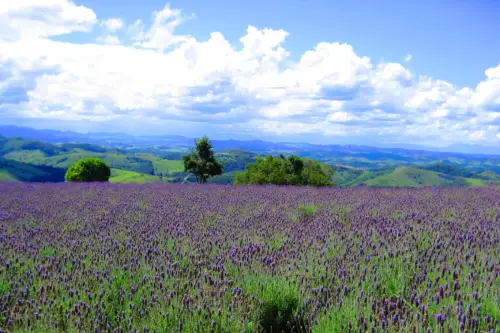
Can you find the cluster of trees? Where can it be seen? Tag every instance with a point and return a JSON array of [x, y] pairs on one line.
[[282, 170], [201, 162]]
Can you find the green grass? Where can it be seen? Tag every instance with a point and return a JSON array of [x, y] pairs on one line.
[[5, 176], [308, 209], [280, 300], [410, 176], [474, 182], [163, 166], [125, 176], [407, 177], [168, 166], [25, 155]]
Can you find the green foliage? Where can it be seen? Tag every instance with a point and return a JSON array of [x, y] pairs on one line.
[[227, 178], [201, 161], [286, 171], [280, 301], [308, 210], [88, 170]]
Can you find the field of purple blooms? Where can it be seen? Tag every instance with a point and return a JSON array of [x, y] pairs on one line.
[[189, 258]]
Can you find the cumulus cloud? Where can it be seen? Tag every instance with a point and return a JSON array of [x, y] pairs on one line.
[[108, 40], [22, 19], [253, 87], [408, 58], [161, 33], [113, 24]]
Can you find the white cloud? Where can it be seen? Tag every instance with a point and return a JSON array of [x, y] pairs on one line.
[[161, 33], [488, 91], [341, 116], [108, 40], [21, 19], [165, 78], [113, 24], [408, 58]]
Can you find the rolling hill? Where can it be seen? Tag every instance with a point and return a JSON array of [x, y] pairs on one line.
[[31, 160], [413, 176], [11, 170], [125, 176], [173, 146]]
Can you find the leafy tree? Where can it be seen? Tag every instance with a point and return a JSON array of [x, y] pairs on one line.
[[201, 161], [89, 169], [286, 171], [317, 174]]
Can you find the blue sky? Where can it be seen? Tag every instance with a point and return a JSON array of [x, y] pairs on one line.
[[369, 72], [453, 40]]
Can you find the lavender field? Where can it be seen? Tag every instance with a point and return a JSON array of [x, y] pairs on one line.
[[177, 258]]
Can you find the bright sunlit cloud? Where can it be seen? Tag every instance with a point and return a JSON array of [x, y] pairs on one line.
[[161, 77]]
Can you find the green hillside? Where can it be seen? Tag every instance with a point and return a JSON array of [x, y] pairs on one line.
[[235, 159], [475, 182], [115, 160], [227, 178], [5, 176], [409, 177], [125, 176], [412, 177], [30, 160], [11, 170], [18, 144], [345, 175], [165, 167], [489, 176]]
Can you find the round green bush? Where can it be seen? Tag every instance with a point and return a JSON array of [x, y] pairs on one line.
[[88, 170]]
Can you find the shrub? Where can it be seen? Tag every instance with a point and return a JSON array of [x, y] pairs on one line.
[[88, 170]]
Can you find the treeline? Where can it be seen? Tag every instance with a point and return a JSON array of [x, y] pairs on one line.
[[282, 170], [292, 170], [202, 163]]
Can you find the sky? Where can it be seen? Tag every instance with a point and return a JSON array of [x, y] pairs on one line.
[[336, 72]]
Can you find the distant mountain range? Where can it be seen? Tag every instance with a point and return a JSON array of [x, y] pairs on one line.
[[165, 142], [43, 155]]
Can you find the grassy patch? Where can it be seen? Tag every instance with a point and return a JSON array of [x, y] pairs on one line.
[[309, 209], [48, 251], [279, 298], [125, 176]]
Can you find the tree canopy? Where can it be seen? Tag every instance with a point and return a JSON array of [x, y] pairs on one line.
[[282, 170], [201, 161], [89, 169]]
